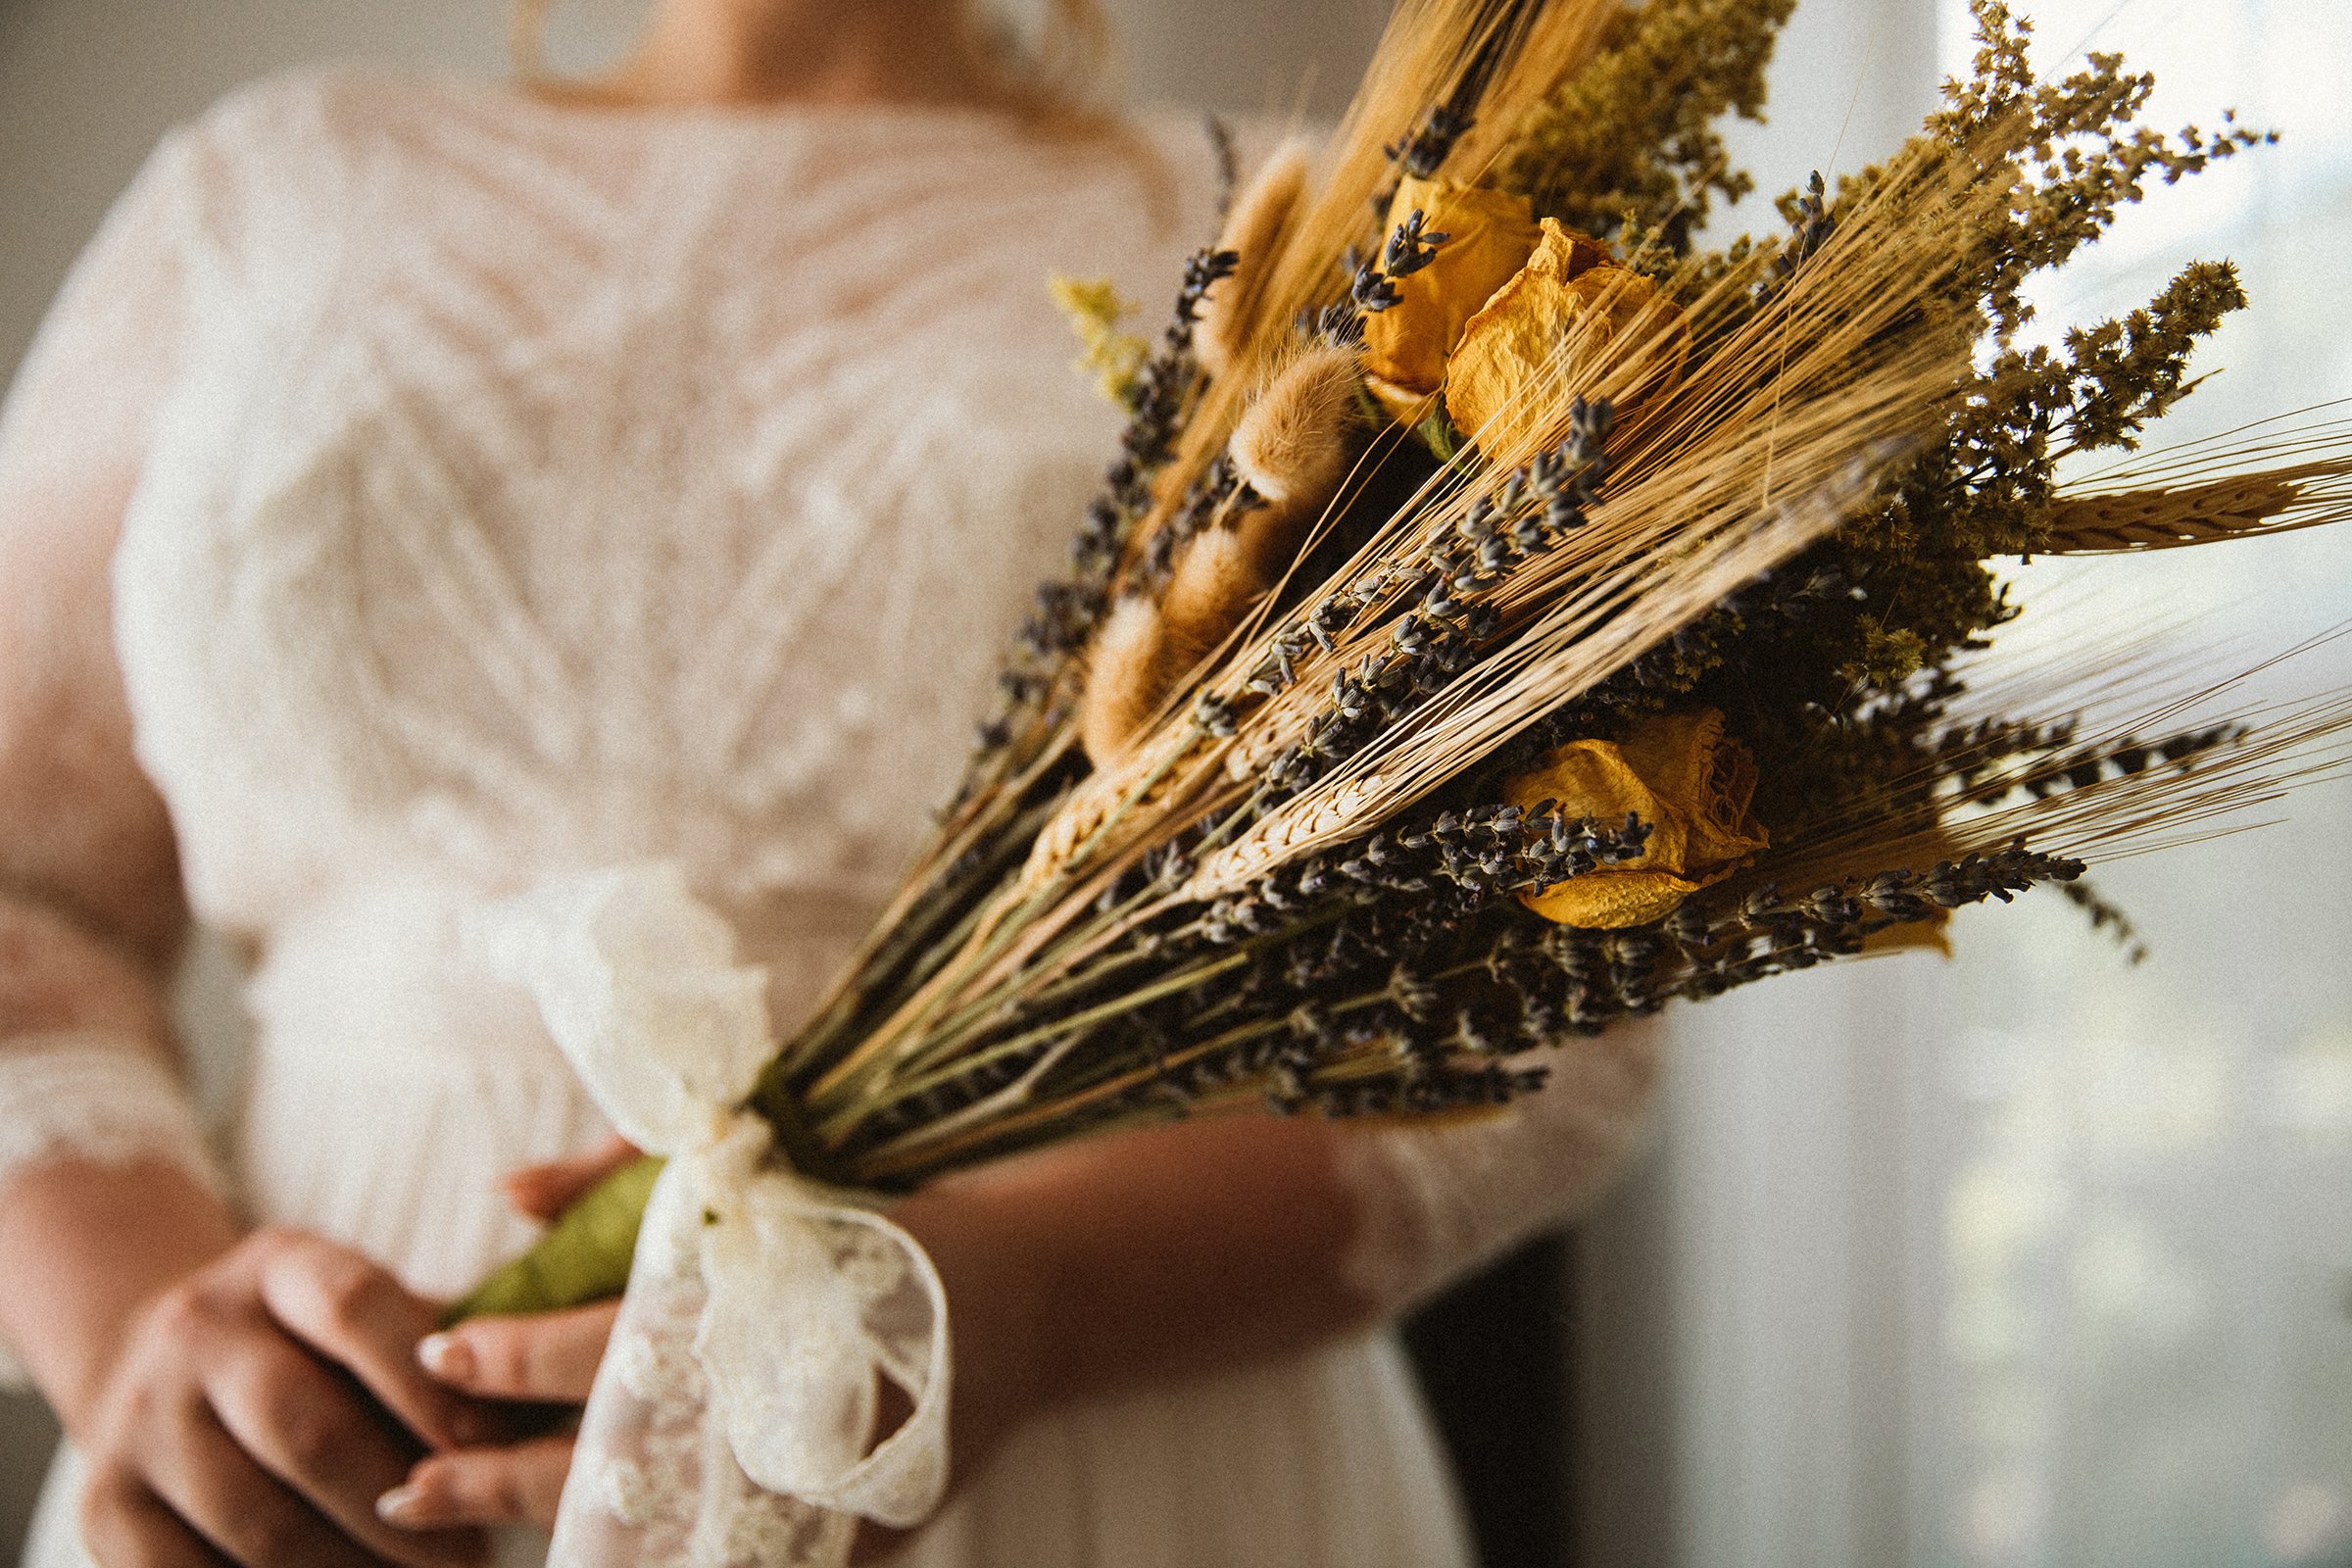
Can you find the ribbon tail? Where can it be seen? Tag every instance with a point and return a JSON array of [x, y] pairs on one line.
[[655, 1483], [863, 1303], [729, 1423]]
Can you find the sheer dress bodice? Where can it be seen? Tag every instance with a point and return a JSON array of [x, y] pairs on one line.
[[547, 486]]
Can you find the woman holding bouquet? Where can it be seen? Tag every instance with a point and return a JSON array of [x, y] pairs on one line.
[[425, 487]]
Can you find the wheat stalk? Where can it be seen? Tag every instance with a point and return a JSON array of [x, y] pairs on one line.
[[2304, 495]]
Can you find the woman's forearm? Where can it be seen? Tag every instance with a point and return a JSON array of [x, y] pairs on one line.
[[58, 973], [89, 1232]]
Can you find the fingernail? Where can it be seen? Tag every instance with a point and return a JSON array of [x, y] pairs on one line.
[[402, 1505], [446, 1357]]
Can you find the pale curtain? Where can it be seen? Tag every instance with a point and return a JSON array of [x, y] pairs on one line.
[[2035, 1258]]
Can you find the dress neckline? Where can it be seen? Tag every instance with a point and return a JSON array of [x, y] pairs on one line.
[[948, 119]]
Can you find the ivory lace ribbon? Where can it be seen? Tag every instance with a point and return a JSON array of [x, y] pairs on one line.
[[730, 1422]]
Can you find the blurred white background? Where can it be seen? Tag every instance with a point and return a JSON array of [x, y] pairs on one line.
[[2031, 1258]]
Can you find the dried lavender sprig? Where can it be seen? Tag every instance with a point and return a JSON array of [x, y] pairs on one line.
[[1391, 1046], [1607, 974], [1228, 162], [1068, 609], [1810, 227], [2120, 757], [1482, 853], [1412, 246], [1485, 851], [1372, 280], [1423, 151], [2105, 916], [1694, 953], [1220, 490]]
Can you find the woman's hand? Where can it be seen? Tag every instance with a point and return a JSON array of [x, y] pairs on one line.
[[539, 1358], [536, 1359], [259, 1406]]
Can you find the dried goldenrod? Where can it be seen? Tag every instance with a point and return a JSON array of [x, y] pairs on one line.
[[1634, 136], [1113, 357]]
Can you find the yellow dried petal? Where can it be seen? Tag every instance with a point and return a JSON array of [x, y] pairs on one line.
[[1489, 235], [1551, 335], [1678, 772], [1708, 778], [1406, 406], [1597, 779], [1930, 935], [1609, 901]]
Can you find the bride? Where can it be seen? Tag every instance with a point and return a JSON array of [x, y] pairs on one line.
[[426, 486]]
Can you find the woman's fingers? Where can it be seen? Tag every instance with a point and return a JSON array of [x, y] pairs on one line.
[[545, 1356], [483, 1487], [237, 1423], [312, 1431], [247, 1514], [357, 1315], [123, 1525], [544, 1191]]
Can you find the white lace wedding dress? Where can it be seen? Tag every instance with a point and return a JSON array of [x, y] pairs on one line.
[[527, 489]]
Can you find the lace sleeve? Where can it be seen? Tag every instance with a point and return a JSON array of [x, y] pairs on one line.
[[90, 906], [103, 1097], [1438, 1201]]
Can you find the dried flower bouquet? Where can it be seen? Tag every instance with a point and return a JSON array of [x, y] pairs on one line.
[[1505, 615]]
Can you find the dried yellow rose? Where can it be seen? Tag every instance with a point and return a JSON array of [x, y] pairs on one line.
[[1680, 774], [1544, 334], [1488, 236]]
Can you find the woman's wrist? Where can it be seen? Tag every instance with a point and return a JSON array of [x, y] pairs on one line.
[[91, 1243]]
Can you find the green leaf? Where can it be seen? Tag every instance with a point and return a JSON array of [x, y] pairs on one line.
[[1438, 434], [583, 1258]]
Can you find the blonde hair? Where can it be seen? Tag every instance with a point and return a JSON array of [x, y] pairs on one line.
[[1061, 71]]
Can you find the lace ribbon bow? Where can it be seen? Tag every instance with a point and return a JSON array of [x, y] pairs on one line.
[[730, 1420]]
